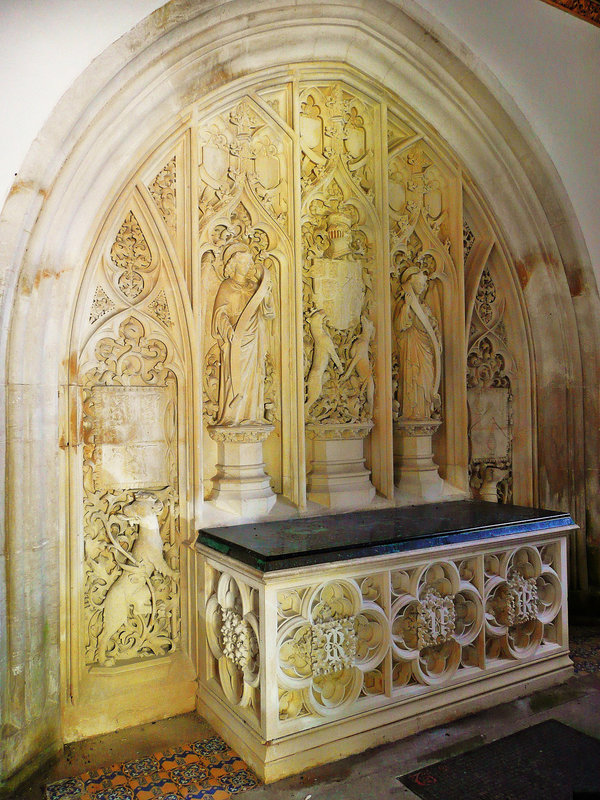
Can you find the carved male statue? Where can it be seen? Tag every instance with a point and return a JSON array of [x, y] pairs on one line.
[[419, 348], [242, 306]]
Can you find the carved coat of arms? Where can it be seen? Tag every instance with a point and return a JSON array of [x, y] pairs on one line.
[[339, 290]]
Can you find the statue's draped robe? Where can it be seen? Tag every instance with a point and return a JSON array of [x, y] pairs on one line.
[[416, 357], [244, 310]]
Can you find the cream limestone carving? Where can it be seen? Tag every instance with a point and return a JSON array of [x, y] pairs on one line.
[[418, 346], [323, 352], [159, 308], [436, 619], [101, 305], [337, 278], [238, 641], [164, 193], [490, 396], [336, 130], [523, 598], [133, 588], [437, 616], [417, 192], [333, 646], [232, 629], [245, 248], [131, 261], [382, 640], [360, 362], [130, 429], [242, 305], [326, 650]]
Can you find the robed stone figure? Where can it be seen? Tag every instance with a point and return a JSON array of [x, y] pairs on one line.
[[419, 349], [243, 304]]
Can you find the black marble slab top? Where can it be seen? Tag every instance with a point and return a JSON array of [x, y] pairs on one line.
[[291, 543]]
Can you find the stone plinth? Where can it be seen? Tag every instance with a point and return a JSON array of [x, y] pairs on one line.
[[415, 472], [338, 478], [241, 485], [323, 637], [489, 487]]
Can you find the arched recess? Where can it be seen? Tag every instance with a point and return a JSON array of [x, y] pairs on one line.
[[500, 368], [130, 412], [99, 134]]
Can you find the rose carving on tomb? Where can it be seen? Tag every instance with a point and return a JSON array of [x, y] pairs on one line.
[[437, 615], [523, 596], [233, 637], [330, 641]]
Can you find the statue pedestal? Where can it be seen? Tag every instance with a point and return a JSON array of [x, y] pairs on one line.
[[338, 478], [489, 487], [241, 485], [416, 473]]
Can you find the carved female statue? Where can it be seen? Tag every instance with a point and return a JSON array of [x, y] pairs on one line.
[[419, 348], [242, 306]]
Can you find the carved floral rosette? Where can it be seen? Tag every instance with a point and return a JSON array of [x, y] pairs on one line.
[[232, 631], [437, 615], [523, 597], [331, 641]]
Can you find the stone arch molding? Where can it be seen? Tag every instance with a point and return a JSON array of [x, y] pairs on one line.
[[133, 102]]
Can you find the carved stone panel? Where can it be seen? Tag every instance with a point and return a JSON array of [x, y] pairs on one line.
[[339, 249], [245, 249], [489, 396], [164, 193], [131, 443]]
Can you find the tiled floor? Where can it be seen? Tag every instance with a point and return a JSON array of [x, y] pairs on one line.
[[373, 774]]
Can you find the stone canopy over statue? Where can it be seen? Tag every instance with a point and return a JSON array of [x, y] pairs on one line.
[[242, 306]]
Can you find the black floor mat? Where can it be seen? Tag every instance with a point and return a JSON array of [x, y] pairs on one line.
[[550, 761]]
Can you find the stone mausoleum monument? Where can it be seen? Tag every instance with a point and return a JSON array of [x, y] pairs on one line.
[[300, 430]]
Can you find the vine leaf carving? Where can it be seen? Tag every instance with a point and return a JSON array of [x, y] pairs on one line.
[[130, 519]]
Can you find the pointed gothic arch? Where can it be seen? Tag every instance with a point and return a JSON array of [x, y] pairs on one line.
[[135, 104]]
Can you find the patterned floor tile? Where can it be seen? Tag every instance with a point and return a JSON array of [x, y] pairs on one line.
[[203, 770], [585, 649]]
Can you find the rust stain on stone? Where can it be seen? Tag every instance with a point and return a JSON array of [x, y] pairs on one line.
[[576, 280], [27, 286], [528, 264], [73, 365], [25, 186], [522, 273]]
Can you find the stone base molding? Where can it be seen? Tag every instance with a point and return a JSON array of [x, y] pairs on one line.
[[307, 665], [338, 478], [416, 474], [241, 485]]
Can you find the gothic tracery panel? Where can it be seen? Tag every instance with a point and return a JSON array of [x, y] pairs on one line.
[[490, 396], [131, 377], [245, 261]]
